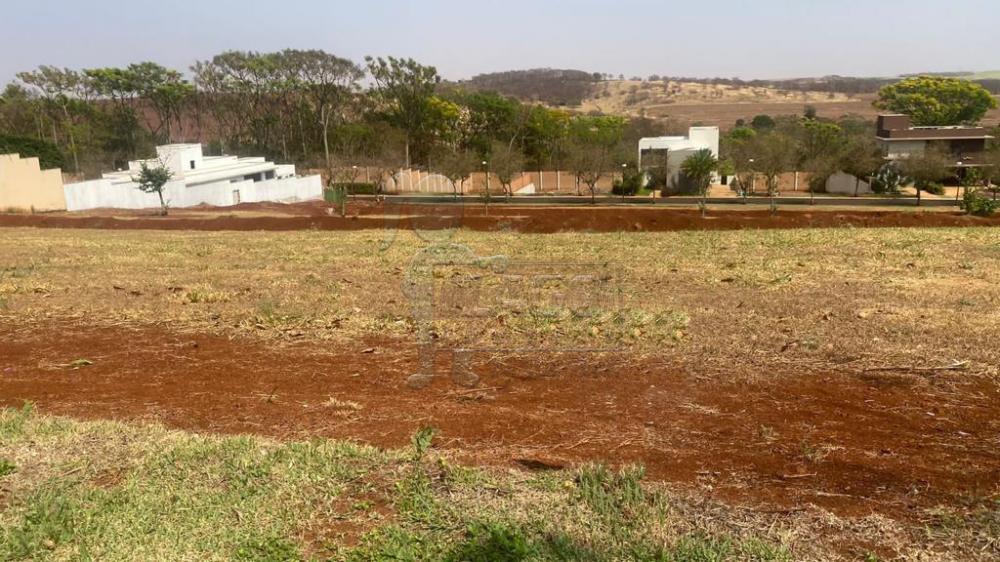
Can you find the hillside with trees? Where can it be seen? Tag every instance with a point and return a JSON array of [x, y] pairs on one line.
[[550, 86]]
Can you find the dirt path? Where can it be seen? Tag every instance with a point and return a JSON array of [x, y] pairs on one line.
[[534, 219], [853, 443]]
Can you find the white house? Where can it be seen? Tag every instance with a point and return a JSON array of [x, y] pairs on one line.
[[197, 180], [677, 149]]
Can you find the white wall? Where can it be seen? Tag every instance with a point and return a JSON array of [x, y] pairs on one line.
[[845, 183], [103, 193]]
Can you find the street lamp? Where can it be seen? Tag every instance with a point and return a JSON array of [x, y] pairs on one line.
[[624, 168], [958, 175], [486, 166]]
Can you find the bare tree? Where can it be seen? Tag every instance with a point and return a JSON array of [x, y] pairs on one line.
[[926, 168], [506, 163]]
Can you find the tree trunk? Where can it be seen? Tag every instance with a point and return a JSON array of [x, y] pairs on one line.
[[163, 204], [326, 138]]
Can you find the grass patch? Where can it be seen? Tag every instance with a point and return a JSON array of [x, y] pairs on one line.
[[183, 496]]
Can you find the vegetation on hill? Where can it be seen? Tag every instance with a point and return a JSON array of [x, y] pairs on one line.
[[546, 85]]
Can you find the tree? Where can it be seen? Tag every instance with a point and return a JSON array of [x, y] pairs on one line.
[[762, 123], [926, 168], [737, 148], [164, 90], [403, 90], [937, 100], [594, 139], [699, 168], [773, 154], [457, 165], [861, 158], [991, 169], [152, 179], [329, 83], [62, 91], [506, 163]]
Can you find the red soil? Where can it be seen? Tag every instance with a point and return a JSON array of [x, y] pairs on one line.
[[538, 219], [855, 443]]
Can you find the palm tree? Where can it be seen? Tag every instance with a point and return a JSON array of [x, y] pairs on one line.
[[698, 168]]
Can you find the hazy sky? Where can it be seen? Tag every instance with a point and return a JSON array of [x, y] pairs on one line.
[[748, 38]]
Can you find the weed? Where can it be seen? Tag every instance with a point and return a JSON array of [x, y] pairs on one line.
[[12, 421], [422, 441], [614, 496], [494, 542], [268, 549], [699, 548], [47, 523], [7, 467]]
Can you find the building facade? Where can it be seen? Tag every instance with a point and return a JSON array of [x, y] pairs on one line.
[[671, 152], [25, 187], [196, 180], [898, 138]]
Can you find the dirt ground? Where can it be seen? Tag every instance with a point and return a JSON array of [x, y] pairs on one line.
[[856, 443], [529, 219]]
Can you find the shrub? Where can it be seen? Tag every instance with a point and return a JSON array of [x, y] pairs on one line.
[[887, 179], [47, 153], [630, 185], [356, 188], [935, 188], [978, 204]]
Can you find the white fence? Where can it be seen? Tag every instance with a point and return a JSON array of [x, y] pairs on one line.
[[102, 193]]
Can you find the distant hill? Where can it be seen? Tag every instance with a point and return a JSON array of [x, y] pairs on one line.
[[682, 101], [550, 86]]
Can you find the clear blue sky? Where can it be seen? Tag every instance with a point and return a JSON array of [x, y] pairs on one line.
[[745, 38]]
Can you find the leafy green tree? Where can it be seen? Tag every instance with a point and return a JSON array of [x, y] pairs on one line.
[[152, 179], [545, 135], [21, 112], [699, 168], [762, 123], [164, 90], [403, 91], [64, 92], [327, 84], [937, 100], [490, 117]]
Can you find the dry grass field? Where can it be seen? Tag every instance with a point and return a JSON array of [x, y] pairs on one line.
[[824, 394], [721, 105]]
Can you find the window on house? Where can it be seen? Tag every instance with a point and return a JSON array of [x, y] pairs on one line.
[[192, 164]]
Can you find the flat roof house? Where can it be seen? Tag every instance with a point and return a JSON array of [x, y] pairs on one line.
[[677, 149], [899, 139], [197, 180]]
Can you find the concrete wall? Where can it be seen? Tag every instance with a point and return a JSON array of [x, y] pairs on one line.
[[24, 186], [844, 183], [103, 193]]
